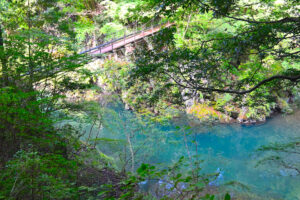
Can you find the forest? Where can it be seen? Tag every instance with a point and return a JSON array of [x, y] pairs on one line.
[[149, 99]]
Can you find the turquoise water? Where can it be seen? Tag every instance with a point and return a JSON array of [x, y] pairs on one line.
[[231, 149]]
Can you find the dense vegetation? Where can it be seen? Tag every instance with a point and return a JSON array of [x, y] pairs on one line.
[[222, 60], [217, 60]]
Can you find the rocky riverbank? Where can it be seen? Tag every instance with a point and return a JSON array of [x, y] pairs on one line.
[[233, 113]]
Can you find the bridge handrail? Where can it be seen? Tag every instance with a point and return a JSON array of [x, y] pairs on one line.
[[121, 38]]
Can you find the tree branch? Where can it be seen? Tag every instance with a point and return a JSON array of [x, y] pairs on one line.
[[283, 20], [282, 77]]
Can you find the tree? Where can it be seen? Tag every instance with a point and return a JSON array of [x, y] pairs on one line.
[[37, 57], [38, 63], [255, 44]]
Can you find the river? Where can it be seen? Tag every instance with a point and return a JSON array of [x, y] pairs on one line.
[[231, 149]]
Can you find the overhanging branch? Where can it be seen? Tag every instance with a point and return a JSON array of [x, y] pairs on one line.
[[282, 77]]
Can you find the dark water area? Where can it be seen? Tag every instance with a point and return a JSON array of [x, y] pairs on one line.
[[231, 149]]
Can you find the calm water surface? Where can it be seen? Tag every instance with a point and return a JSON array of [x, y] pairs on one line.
[[230, 148]]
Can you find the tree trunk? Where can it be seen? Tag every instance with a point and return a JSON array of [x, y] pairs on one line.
[[3, 60]]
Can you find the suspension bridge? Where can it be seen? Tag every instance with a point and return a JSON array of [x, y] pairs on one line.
[[126, 39]]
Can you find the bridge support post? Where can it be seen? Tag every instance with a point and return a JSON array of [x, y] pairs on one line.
[[148, 42], [115, 54]]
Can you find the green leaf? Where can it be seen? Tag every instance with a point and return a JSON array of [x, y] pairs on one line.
[[227, 197]]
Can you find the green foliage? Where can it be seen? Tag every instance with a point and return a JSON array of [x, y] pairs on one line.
[[223, 100], [219, 50], [30, 175], [173, 182], [38, 65], [112, 30], [22, 121], [141, 96], [44, 151]]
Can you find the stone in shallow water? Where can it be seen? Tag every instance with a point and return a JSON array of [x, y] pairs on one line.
[[288, 172], [143, 182], [219, 178]]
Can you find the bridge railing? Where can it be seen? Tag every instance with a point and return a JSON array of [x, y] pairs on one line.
[[111, 42]]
